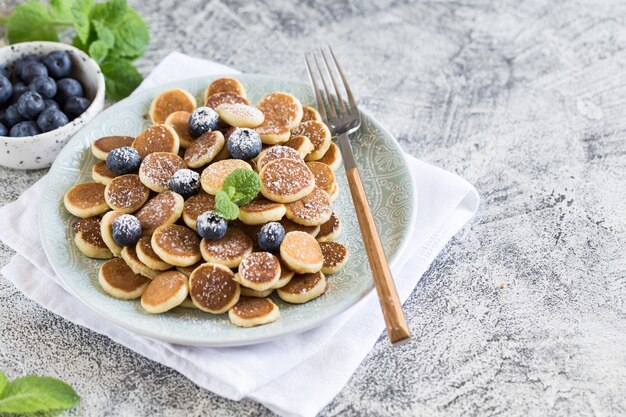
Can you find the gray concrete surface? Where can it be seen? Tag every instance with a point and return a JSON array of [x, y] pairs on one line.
[[526, 101]]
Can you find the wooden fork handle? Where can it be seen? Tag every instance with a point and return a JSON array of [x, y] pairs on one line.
[[397, 327]]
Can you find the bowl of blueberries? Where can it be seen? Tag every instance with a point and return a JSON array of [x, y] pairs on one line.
[[48, 91]]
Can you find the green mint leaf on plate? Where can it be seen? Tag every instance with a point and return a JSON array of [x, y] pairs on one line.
[[224, 207], [104, 33], [109, 13], [4, 381], [131, 35], [31, 22], [246, 183], [121, 77], [81, 10], [61, 11], [98, 51], [31, 394]]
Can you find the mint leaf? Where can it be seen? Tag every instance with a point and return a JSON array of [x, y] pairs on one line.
[[224, 207], [109, 13], [31, 22], [121, 77], [4, 381], [131, 35], [61, 10], [246, 183], [80, 16], [31, 394], [104, 33], [98, 51]]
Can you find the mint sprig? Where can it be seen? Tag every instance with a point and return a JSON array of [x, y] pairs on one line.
[[32, 394], [112, 33], [240, 187]]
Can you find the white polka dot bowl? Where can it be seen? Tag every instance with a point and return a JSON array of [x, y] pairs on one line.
[[35, 152]]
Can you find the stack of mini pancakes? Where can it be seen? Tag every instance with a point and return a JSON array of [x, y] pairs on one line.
[[171, 265]]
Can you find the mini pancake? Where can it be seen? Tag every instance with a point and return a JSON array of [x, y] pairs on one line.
[[318, 134], [324, 176], [273, 153], [179, 121], [286, 180], [119, 281], [282, 113], [312, 210], [129, 255], [213, 288], [166, 291], [163, 208], [213, 176], [261, 211], [259, 271], [240, 115], [106, 232], [330, 230], [89, 240], [204, 149], [285, 275], [148, 256], [126, 193], [309, 113], [101, 173], [332, 157], [171, 101], [177, 245], [86, 200], [249, 292], [334, 191], [300, 144], [251, 311], [195, 206], [225, 85], [187, 270], [335, 256], [157, 168], [157, 138], [301, 252], [214, 100], [229, 250], [101, 147], [291, 227], [303, 288]]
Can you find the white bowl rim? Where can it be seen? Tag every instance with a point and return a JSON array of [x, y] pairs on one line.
[[99, 90]]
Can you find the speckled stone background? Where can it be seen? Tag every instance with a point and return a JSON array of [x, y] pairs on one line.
[[524, 312]]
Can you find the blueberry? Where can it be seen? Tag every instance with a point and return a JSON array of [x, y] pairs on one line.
[[51, 119], [126, 230], [19, 89], [58, 63], [3, 130], [75, 106], [4, 71], [67, 88], [6, 89], [51, 103], [21, 63], [202, 120], [30, 104], [270, 236], [33, 70], [45, 86], [185, 182], [24, 129], [244, 143], [12, 116], [211, 225], [123, 160]]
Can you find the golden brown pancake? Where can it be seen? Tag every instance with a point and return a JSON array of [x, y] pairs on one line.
[[213, 288], [286, 180], [86, 200], [216, 99], [318, 134], [89, 240], [312, 210], [332, 157], [126, 193], [309, 113], [229, 250], [240, 115], [101, 173], [330, 230], [301, 252], [157, 168], [119, 281], [163, 208], [179, 121], [177, 245], [204, 149], [300, 144], [324, 176], [101, 147], [129, 255], [335, 256], [251, 311], [157, 138], [213, 176], [106, 232], [171, 101], [282, 113], [261, 211], [195, 206], [225, 85], [273, 153], [148, 256], [166, 291], [303, 288], [259, 271]]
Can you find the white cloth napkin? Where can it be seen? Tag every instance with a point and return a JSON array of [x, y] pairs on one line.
[[295, 375]]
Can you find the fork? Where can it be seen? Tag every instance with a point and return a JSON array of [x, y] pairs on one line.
[[342, 119]]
